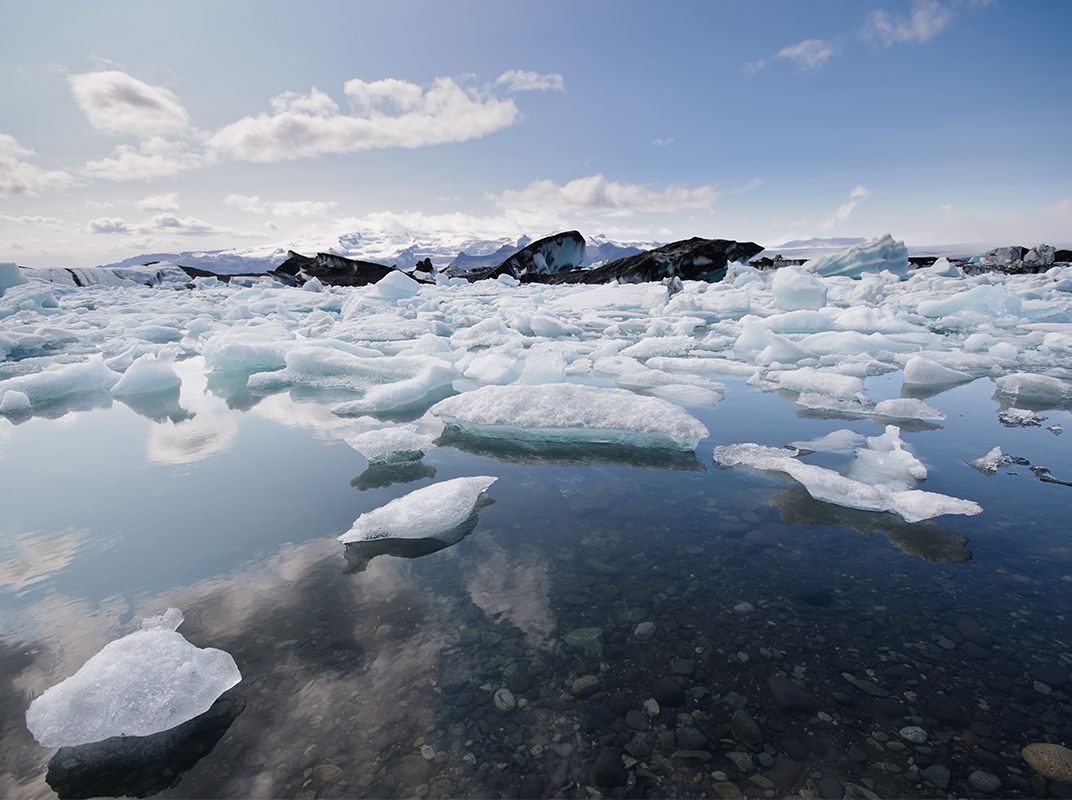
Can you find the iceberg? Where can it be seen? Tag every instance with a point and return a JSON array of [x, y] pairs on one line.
[[435, 511], [839, 441], [1028, 386], [10, 275], [60, 381], [13, 402], [392, 445], [566, 412], [877, 480], [144, 683], [988, 464], [920, 371], [149, 374], [874, 256], [796, 289]]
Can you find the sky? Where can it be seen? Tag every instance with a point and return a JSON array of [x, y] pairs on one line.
[[132, 127]]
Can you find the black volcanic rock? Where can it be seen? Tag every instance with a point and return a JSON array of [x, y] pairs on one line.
[[547, 256], [332, 270], [689, 259]]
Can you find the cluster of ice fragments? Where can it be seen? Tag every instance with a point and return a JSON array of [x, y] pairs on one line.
[[606, 363]]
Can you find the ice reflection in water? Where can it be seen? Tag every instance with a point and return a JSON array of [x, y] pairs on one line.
[[233, 519]]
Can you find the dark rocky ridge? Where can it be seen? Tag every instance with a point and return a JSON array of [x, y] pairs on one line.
[[552, 254], [331, 269], [688, 259]]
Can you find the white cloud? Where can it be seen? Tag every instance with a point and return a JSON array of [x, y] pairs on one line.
[[164, 223], [663, 142], [517, 80], [809, 54], [283, 208], [755, 183], [117, 103], [167, 201], [386, 114], [30, 219], [155, 158], [596, 193], [927, 20], [845, 210], [19, 176], [110, 225], [186, 226], [755, 67]]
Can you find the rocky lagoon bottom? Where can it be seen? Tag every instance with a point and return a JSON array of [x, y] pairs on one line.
[[618, 621]]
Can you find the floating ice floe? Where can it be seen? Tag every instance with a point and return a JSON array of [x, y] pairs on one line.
[[839, 441], [393, 444], [877, 479], [10, 276], [434, 511], [989, 463], [565, 412], [920, 371], [144, 683], [149, 374], [1041, 388], [60, 381], [14, 402]]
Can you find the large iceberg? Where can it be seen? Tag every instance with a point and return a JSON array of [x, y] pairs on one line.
[[874, 256], [144, 683], [878, 479], [432, 512], [566, 412], [10, 276]]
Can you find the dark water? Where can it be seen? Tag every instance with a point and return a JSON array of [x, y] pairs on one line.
[[373, 673]]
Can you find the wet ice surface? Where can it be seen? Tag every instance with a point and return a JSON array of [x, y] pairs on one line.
[[602, 576]]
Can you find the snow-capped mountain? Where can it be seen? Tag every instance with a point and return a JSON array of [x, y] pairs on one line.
[[402, 250]]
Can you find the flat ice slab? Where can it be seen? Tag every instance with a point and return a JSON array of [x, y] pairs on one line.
[[877, 480], [431, 512], [566, 412], [144, 683]]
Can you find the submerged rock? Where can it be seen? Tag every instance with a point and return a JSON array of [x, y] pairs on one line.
[[1051, 761]]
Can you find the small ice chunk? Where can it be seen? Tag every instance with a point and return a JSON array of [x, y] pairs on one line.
[[149, 374], [988, 464], [395, 444], [566, 412], [144, 683], [428, 513], [14, 402], [58, 382], [907, 408], [920, 371], [10, 275], [1043, 388], [839, 441], [811, 380], [886, 462], [1020, 418], [396, 285], [797, 289]]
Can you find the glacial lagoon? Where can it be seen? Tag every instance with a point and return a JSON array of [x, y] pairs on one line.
[[613, 614]]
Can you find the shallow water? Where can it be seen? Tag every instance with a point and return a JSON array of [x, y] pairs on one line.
[[372, 672]]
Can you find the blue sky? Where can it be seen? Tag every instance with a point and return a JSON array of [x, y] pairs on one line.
[[136, 127]]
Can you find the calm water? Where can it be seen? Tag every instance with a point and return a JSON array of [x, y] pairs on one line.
[[373, 673]]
